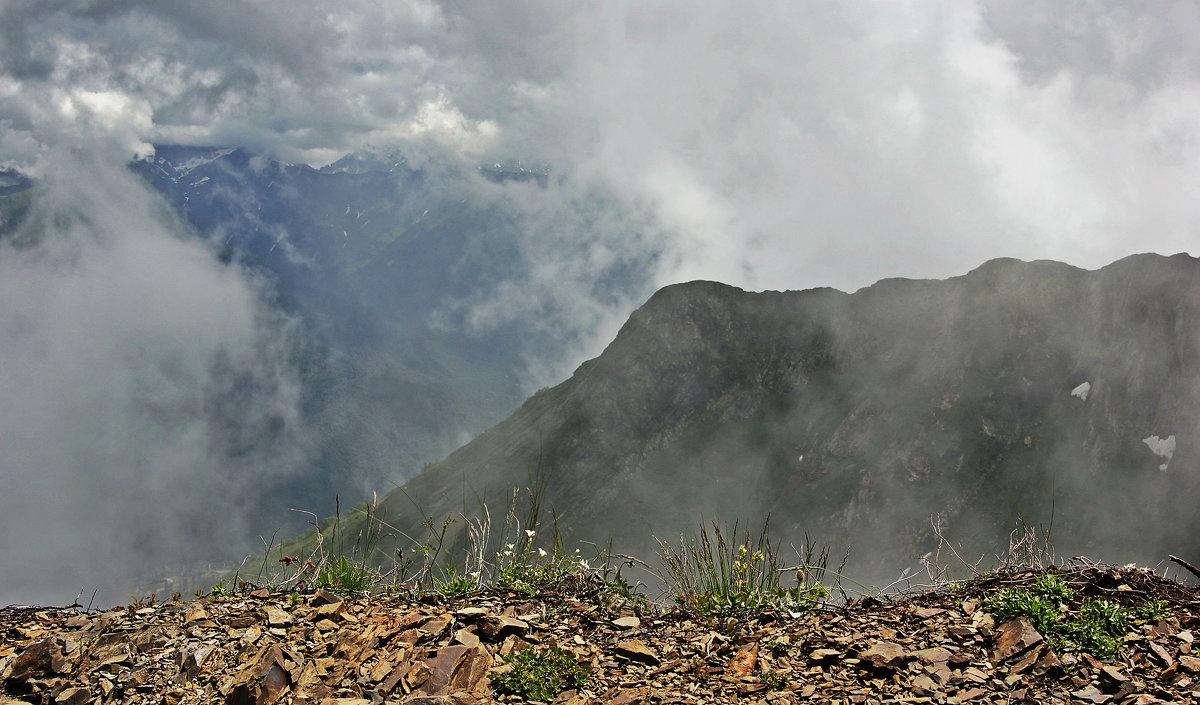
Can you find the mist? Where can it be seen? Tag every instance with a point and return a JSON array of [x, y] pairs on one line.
[[149, 397], [775, 145]]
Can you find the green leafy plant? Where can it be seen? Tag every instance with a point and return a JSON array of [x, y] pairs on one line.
[[1095, 628], [218, 590], [1011, 603], [718, 577], [1109, 616], [455, 585], [1153, 610], [1053, 587], [540, 674]]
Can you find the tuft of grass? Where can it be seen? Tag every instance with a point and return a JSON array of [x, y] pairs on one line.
[[541, 674], [722, 577], [343, 576]]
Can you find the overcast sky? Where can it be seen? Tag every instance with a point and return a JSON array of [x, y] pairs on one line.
[[770, 144], [783, 144]]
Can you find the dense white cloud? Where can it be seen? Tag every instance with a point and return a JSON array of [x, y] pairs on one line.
[[786, 144]]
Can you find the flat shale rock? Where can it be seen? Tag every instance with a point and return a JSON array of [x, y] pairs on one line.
[[267, 649], [1015, 637]]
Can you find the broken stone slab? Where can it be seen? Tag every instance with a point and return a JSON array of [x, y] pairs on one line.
[[635, 650], [743, 663], [884, 655], [939, 672], [456, 668], [277, 617], [73, 696], [194, 660], [494, 628], [467, 637], [967, 696], [1091, 694], [820, 655], [1016, 636], [936, 654], [626, 623], [632, 696], [35, 661], [264, 683], [324, 597]]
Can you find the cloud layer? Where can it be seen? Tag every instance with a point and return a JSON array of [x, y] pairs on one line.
[[781, 144]]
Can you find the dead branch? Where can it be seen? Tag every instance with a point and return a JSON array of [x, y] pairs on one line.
[[1193, 569]]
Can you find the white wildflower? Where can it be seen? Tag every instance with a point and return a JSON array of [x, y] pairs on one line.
[[542, 552], [530, 533]]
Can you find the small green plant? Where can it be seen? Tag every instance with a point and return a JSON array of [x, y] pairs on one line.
[[1096, 628], [714, 576], [1041, 603], [343, 576], [774, 680], [1153, 610], [540, 674], [218, 590], [1011, 603], [1109, 616], [456, 585], [136, 603], [1053, 587]]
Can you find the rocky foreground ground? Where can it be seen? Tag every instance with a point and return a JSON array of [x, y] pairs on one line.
[[940, 646]]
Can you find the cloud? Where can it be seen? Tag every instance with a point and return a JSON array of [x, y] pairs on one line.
[[785, 145], [138, 372]]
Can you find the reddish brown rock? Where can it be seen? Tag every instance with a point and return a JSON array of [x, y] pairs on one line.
[[456, 668], [1014, 637], [743, 663], [495, 628], [884, 655], [635, 650]]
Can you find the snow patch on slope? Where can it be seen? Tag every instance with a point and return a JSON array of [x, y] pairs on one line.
[[1162, 447]]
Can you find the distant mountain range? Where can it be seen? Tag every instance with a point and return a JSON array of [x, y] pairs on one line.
[[1022, 390]]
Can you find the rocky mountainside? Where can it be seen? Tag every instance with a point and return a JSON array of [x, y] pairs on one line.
[[943, 646], [1030, 391]]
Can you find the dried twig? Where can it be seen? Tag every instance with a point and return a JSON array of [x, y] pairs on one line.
[[1191, 568]]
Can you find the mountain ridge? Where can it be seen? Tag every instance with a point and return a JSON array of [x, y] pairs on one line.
[[856, 417]]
